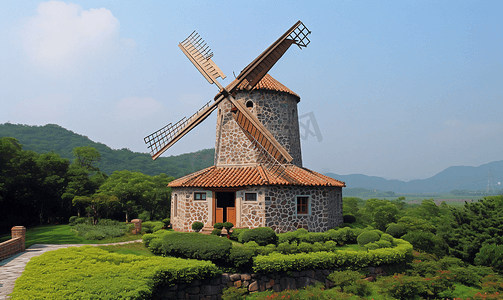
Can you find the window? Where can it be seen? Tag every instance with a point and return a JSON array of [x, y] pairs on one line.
[[250, 196], [303, 205], [200, 196], [249, 104], [175, 205]]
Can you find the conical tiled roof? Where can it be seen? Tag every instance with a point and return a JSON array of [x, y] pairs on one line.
[[228, 177], [268, 83]]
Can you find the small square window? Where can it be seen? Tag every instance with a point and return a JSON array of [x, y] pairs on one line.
[[302, 205], [200, 196], [250, 196]]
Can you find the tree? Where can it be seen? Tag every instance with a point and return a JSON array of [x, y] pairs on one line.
[[87, 157], [97, 205]]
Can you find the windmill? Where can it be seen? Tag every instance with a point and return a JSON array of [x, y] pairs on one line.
[[272, 154]]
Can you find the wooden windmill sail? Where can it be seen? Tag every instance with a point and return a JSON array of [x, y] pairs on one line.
[[272, 154]]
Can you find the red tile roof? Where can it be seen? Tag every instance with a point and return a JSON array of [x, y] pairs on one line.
[[268, 83], [227, 177]]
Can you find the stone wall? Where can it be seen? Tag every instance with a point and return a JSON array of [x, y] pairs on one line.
[[276, 207], [278, 113], [325, 208], [14, 245], [211, 289], [188, 210]]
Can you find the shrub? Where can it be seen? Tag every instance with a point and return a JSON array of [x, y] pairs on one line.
[[236, 232], [72, 219], [396, 230], [348, 219], [144, 216], [228, 225], [234, 293], [262, 235], [367, 237], [277, 262], [151, 226], [197, 226], [427, 242], [92, 273], [193, 245], [386, 237], [216, 231], [402, 287], [371, 246], [166, 222], [147, 238], [350, 282], [242, 257], [98, 232], [218, 225]]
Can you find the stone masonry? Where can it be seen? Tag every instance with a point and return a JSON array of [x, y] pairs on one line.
[[277, 111]]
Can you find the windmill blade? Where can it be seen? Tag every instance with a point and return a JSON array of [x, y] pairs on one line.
[[200, 55], [257, 69], [251, 125], [162, 139]]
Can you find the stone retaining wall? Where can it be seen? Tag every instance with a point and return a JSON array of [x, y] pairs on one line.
[[211, 289], [15, 244]]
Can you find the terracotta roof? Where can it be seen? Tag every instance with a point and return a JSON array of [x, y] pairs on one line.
[[227, 177], [268, 83]]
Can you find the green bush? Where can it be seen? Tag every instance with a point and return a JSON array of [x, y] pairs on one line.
[[367, 237], [372, 246], [350, 282], [152, 226], [402, 287], [218, 225], [147, 238], [228, 225], [277, 262], [242, 257], [216, 231], [261, 235], [192, 245], [396, 230], [92, 273], [236, 233], [197, 226], [427, 242], [234, 293], [72, 219], [348, 219], [166, 222]]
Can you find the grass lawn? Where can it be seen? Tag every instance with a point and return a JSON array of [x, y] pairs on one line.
[[134, 248], [63, 234]]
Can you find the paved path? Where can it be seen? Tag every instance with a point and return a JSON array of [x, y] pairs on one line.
[[12, 267]]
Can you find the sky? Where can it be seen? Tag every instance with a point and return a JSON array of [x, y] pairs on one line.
[[398, 89]]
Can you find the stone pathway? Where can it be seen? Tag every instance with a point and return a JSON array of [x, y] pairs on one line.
[[12, 267]]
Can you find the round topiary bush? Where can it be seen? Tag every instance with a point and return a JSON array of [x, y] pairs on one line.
[[228, 225], [261, 235], [218, 225], [396, 230], [348, 219], [197, 226], [367, 237]]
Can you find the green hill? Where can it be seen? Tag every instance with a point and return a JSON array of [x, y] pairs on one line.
[[51, 137]]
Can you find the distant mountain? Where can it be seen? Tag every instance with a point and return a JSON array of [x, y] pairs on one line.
[[51, 137], [452, 178]]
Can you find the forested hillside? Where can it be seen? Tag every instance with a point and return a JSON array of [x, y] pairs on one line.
[[51, 137]]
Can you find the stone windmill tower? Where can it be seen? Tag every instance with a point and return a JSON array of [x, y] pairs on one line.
[[258, 179]]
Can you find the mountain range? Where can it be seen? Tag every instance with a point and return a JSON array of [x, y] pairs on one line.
[[452, 178]]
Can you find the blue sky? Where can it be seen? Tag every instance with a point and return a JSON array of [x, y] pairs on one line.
[[400, 89]]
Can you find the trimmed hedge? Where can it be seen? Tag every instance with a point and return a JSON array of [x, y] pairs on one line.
[[192, 245], [367, 237], [92, 273], [261, 235], [152, 226], [277, 262]]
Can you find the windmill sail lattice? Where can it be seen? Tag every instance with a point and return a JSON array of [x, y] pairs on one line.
[[200, 55]]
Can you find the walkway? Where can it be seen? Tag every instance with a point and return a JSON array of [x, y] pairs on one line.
[[12, 267]]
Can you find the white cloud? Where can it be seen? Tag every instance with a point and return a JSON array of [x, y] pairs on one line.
[[135, 108], [42, 110], [63, 35]]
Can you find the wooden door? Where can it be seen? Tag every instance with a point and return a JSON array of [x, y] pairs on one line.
[[219, 215], [231, 215]]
